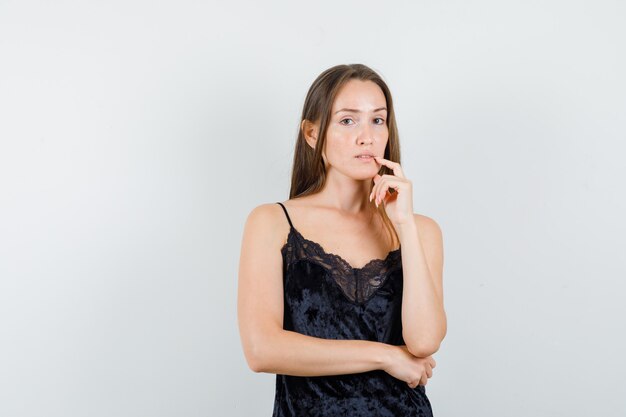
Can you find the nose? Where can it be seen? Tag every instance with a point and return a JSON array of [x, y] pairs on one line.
[[365, 135]]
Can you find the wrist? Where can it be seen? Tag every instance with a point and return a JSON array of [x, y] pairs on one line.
[[384, 356]]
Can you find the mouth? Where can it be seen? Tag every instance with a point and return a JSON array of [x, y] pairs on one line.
[[365, 156]]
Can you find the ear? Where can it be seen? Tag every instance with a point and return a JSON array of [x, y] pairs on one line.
[[310, 131]]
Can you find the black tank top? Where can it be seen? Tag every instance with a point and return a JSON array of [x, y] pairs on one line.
[[325, 297]]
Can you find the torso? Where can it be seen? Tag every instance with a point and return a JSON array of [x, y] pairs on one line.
[[357, 239]]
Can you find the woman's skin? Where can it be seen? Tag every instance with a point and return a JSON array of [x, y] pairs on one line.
[[343, 208]]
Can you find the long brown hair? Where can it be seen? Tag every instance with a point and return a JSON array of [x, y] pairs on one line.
[[309, 173]]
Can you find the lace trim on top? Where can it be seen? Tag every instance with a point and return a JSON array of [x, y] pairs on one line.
[[357, 284]]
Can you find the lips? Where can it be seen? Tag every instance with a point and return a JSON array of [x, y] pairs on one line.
[[364, 154]]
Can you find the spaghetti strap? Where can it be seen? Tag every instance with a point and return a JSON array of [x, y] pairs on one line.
[[286, 214]]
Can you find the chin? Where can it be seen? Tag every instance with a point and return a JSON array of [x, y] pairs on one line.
[[357, 173], [364, 174]]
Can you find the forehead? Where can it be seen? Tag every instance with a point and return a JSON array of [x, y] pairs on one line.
[[358, 94]]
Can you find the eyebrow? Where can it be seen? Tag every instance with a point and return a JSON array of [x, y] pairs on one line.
[[359, 111]]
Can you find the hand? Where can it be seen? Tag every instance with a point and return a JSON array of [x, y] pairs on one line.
[[401, 364], [399, 205]]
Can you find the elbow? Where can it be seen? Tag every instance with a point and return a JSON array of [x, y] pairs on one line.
[[255, 367], [255, 359], [422, 350], [423, 347], [261, 352]]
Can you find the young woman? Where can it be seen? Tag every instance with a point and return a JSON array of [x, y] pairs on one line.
[[340, 287]]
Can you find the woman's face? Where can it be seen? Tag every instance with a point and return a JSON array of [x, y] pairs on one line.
[[358, 125]]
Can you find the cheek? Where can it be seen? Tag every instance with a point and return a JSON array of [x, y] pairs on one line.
[[337, 144], [335, 135], [335, 152]]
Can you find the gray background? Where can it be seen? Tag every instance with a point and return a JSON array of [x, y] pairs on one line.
[[136, 136]]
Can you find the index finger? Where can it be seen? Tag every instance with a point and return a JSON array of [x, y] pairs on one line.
[[395, 166]]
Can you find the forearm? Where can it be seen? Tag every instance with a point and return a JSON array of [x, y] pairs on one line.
[[423, 316], [290, 353]]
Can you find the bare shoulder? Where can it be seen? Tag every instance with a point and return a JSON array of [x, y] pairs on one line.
[[267, 222], [428, 227], [264, 214], [431, 236]]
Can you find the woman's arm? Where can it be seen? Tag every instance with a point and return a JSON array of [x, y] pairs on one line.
[[266, 345], [424, 323], [291, 353]]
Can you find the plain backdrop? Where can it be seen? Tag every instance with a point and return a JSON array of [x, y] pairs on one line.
[[136, 136]]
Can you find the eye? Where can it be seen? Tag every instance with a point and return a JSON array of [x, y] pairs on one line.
[[381, 120], [343, 120]]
